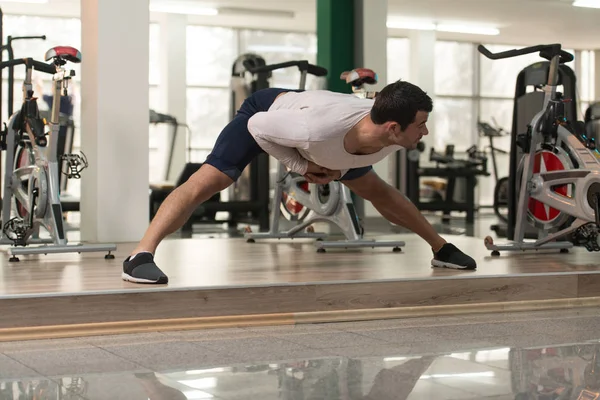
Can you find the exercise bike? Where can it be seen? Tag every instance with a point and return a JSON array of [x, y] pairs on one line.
[[559, 172], [331, 202], [30, 197]]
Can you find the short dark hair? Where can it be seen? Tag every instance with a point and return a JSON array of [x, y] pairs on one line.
[[399, 102]]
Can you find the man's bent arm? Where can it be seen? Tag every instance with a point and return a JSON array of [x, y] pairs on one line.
[[278, 133]]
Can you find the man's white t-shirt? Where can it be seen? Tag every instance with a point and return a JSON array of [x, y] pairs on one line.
[[311, 125]]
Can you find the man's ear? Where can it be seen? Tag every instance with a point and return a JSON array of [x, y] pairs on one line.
[[394, 127]]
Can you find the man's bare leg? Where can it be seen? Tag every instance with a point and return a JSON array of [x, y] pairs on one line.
[[180, 204], [398, 209]]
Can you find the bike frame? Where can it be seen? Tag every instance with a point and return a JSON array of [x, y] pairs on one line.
[[40, 155]]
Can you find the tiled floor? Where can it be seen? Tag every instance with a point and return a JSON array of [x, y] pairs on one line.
[[500, 356]]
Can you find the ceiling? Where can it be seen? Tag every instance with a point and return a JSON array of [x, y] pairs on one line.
[[521, 22]]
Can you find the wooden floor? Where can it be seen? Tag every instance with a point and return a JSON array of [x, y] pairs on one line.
[[229, 263], [229, 278]]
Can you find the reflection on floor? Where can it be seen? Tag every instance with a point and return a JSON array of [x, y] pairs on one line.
[[517, 356]]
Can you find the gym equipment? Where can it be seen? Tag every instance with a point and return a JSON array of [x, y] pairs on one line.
[[358, 78], [9, 49], [501, 187], [528, 100], [559, 173], [67, 131], [248, 200], [453, 168], [592, 121], [253, 183], [31, 176], [173, 124], [328, 203], [248, 197], [159, 191], [11, 77]]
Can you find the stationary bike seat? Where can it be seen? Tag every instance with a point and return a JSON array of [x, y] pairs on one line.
[[360, 76], [66, 53]]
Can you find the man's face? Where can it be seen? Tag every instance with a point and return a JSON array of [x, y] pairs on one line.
[[415, 131]]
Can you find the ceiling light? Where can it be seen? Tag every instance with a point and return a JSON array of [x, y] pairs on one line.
[[430, 26], [175, 8], [264, 48], [475, 30], [459, 375], [421, 26], [24, 1], [389, 359], [255, 12], [587, 3]]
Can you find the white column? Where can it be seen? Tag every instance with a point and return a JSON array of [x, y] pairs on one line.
[[114, 119], [422, 58], [371, 38], [422, 70], [173, 83], [371, 52]]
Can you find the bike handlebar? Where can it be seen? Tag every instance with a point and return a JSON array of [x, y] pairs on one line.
[[37, 65], [43, 37], [302, 65], [547, 51]]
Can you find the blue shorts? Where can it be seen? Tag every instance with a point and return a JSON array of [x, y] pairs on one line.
[[235, 147]]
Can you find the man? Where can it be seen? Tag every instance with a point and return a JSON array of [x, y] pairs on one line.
[[320, 134]]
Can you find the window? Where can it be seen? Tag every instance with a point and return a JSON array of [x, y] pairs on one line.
[[158, 140], [498, 113], [277, 47], [453, 68], [586, 81], [208, 79], [207, 114], [453, 124], [58, 31], [453, 119], [157, 134], [498, 77], [154, 54], [210, 54]]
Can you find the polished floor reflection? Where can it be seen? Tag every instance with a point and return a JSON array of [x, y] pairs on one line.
[[534, 355]]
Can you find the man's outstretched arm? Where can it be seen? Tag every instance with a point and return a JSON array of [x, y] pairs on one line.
[[394, 207]]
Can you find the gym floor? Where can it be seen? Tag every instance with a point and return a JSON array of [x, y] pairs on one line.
[[274, 321], [500, 356]]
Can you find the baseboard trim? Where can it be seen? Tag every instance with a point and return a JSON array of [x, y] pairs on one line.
[[181, 324]]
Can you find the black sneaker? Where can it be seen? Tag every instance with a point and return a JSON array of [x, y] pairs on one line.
[[142, 269], [450, 256]]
